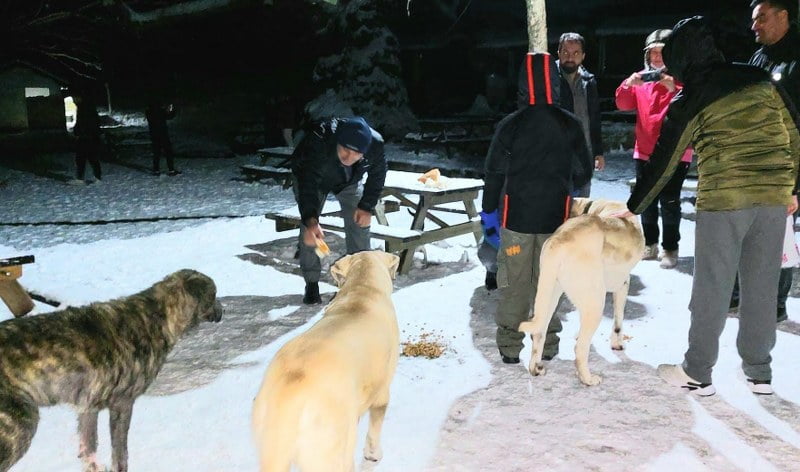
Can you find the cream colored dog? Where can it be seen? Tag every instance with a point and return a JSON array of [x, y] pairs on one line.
[[587, 256], [321, 382]]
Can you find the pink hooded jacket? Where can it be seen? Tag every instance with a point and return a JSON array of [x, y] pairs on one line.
[[651, 102]]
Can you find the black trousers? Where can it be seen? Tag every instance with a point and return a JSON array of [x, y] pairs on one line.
[[87, 150], [670, 201], [159, 136]]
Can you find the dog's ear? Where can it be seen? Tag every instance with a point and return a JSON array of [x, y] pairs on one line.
[[392, 262], [340, 268], [199, 286]]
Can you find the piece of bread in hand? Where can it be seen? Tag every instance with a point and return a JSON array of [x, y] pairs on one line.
[[322, 249], [432, 174]]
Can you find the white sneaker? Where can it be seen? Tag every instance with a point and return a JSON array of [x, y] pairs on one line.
[[760, 387], [674, 375], [669, 259], [76, 182], [650, 252]]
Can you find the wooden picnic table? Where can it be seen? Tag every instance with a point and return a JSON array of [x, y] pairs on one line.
[[274, 164], [278, 154], [457, 196], [11, 292], [402, 189], [453, 131]]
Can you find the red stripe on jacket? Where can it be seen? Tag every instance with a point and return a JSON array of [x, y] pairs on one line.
[[547, 85], [505, 210], [531, 95]]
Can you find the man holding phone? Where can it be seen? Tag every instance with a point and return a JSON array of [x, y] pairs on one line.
[[649, 92]]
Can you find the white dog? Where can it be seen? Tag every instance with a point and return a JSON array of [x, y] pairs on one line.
[[321, 382], [587, 256]]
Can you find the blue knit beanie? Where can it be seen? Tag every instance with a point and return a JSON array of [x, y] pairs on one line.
[[354, 133]]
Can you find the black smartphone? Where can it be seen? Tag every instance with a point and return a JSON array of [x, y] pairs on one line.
[[651, 76]]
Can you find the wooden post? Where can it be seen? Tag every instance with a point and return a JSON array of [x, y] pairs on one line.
[[11, 292]]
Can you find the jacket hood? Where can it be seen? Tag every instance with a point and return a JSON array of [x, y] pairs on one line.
[[690, 51], [539, 83]]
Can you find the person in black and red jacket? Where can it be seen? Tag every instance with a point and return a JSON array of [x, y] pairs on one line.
[[540, 154]]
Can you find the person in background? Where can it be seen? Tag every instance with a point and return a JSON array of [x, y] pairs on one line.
[[539, 154], [333, 156], [649, 93], [744, 130], [157, 114], [775, 28], [87, 134], [579, 96], [280, 121]]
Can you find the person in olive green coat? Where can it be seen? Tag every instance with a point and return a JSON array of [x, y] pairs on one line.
[[744, 130]]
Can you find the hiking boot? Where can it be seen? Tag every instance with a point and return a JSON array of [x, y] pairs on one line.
[[650, 252], [760, 387], [76, 182], [782, 316], [174, 172], [674, 375], [509, 359], [312, 294], [155, 173], [669, 259], [491, 281]]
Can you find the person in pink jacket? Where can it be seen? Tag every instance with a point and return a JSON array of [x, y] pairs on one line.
[[649, 92]]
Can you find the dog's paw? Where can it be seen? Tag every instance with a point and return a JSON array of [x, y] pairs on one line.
[[617, 342], [373, 454], [591, 380], [617, 347], [537, 369]]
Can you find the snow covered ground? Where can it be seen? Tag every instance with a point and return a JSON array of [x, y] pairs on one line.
[[464, 411]]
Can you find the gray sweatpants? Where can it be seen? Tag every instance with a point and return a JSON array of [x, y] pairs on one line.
[[751, 242], [517, 278], [356, 237]]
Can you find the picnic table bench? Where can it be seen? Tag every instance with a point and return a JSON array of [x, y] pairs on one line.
[[11, 292], [273, 164], [453, 132], [402, 189]]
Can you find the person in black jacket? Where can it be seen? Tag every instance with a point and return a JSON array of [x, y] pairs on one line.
[[333, 157], [157, 114], [775, 27], [87, 132], [579, 95], [539, 154]]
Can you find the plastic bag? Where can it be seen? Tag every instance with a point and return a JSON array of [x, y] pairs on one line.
[[791, 255]]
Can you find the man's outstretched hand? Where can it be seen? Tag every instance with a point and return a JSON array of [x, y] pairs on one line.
[[312, 233]]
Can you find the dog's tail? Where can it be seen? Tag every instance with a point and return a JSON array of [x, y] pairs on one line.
[[549, 265], [18, 420]]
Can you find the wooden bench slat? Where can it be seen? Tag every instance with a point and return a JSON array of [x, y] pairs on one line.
[[289, 220]]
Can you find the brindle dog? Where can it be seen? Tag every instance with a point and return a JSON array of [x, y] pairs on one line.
[[99, 356]]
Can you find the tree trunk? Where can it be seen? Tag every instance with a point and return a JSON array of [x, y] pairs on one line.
[[537, 25]]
